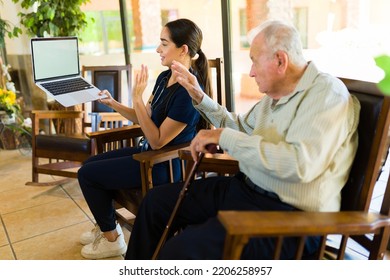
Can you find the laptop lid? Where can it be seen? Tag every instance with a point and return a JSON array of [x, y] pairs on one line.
[[56, 59]]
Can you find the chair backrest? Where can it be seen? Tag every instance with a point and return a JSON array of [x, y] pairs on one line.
[[107, 120], [58, 145], [218, 80], [108, 77], [373, 132]]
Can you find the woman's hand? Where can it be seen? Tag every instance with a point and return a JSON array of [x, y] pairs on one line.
[[188, 81], [141, 81], [108, 99]]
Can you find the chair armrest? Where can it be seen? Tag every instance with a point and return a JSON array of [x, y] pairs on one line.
[[220, 163], [116, 137], [242, 225], [117, 133], [161, 155], [148, 159]]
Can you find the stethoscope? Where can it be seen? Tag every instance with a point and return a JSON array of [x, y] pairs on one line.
[[159, 91]]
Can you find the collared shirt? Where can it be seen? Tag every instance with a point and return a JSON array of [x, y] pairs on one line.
[[302, 147]]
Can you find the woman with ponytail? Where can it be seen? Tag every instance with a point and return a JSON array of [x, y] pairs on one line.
[[167, 118]]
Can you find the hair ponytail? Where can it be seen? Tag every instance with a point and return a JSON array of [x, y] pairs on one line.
[[184, 31], [202, 71]]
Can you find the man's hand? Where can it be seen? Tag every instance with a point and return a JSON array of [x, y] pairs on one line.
[[205, 142], [188, 81]]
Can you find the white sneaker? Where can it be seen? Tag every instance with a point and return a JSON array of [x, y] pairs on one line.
[[102, 248], [89, 236]]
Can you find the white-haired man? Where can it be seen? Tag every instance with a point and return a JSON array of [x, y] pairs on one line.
[[295, 149]]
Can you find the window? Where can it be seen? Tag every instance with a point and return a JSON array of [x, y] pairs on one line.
[[103, 34], [243, 29], [300, 15], [341, 36]]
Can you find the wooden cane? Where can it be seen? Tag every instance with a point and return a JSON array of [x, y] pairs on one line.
[[212, 149]]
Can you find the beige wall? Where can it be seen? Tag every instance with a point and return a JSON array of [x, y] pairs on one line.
[[19, 45]]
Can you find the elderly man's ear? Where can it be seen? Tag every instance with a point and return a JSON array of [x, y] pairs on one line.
[[281, 60]]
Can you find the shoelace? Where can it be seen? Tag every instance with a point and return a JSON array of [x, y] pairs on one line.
[[96, 242], [96, 231]]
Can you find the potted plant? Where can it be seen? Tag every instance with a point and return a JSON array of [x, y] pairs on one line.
[[52, 17], [8, 104], [13, 126]]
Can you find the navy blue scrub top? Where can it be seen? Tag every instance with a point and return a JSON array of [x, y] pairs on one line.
[[174, 102]]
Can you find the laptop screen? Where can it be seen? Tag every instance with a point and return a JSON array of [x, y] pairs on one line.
[[54, 57]]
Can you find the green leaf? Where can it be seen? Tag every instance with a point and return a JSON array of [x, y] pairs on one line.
[[51, 13], [16, 31], [383, 62], [384, 85]]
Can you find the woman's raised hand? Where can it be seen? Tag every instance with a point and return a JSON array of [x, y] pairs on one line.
[[141, 81]]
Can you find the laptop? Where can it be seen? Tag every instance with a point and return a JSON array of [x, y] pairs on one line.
[[56, 71]]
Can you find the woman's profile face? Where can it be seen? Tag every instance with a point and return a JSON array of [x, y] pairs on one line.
[[167, 49]]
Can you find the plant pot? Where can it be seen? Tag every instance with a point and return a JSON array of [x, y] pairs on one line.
[[7, 136], [7, 119], [7, 139]]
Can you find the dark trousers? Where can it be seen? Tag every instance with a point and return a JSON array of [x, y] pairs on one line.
[[100, 175], [201, 235]]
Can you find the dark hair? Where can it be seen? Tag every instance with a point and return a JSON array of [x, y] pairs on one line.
[[185, 32]]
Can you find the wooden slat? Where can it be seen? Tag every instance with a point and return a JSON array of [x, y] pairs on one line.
[[161, 155], [220, 163], [301, 223]]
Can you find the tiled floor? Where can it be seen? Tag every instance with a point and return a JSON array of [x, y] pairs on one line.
[[44, 223], [39, 223]]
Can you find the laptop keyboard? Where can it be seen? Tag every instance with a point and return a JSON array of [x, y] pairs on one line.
[[65, 86]]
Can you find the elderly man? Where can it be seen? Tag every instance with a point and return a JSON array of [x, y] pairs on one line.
[[295, 148]]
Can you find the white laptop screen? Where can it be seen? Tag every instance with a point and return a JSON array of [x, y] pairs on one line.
[[54, 58]]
